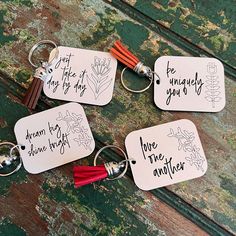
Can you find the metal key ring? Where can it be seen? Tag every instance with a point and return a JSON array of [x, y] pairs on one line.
[[32, 50], [11, 150], [131, 90], [124, 154]]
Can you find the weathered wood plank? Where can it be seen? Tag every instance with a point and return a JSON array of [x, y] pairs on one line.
[[53, 207], [97, 28], [48, 204], [210, 25]]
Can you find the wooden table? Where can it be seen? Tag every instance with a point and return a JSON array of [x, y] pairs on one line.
[[48, 204]]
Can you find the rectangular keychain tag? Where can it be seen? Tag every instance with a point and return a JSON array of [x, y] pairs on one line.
[[189, 84], [81, 75], [165, 154], [54, 137]]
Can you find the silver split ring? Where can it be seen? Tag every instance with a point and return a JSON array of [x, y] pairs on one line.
[[131, 90], [32, 50], [13, 146], [124, 154]]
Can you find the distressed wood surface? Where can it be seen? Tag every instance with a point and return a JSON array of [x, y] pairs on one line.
[[209, 25], [47, 204]]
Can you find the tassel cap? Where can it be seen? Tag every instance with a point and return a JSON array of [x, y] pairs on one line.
[[113, 168]]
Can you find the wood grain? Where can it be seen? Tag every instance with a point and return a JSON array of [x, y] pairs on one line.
[[47, 204]]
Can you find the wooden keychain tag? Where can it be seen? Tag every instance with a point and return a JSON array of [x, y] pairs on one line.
[[54, 137], [189, 84], [81, 75], [180, 83], [165, 154]]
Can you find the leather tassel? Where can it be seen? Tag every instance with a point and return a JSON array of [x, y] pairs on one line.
[[34, 91], [84, 175], [122, 54]]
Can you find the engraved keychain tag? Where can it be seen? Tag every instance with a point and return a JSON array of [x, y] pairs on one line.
[[81, 75], [54, 137], [189, 84], [165, 154], [180, 83]]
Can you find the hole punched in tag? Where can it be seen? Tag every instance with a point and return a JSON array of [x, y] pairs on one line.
[[84, 175], [122, 54], [10, 160], [42, 69]]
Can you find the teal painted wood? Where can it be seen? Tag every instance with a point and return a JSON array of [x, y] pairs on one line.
[[97, 28], [209, 25]]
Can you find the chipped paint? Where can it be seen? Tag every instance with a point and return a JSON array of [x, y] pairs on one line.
[[8, 228], [191, 20], [118, 208]]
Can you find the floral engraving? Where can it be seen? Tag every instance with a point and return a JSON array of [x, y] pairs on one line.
[[186, 143], [99, 80], [73, 122]]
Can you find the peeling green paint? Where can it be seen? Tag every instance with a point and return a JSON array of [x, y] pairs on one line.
[[3, 64], [212, 26], [200, 203], [6, 182], [228, 184], [104, 136], [99, 211], [27, 3], [217, 42], [113, 105], [223, 219], [7, 228], [7, 133], [23, 76], [132, 34], [231, 139], [4, 37], [99, 25]]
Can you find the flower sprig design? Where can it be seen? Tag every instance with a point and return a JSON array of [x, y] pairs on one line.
[[73, 122], [213, 87], [185, 140], [99, 80]]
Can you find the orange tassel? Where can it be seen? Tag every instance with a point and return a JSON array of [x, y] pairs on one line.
[[121, 53]]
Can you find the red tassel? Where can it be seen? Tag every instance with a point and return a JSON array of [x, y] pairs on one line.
[[89, 174], [84, 175], [121, 53]]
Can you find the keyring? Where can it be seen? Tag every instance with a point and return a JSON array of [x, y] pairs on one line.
[[131, 90], [124, 154], [9, 160], [32, 50]]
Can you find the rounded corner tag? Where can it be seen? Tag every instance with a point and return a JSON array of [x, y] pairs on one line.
[[54, 137], [81, 75], [166, 154], [189, 84]]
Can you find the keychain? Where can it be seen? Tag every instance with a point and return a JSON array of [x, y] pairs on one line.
[[84, 175], [33, 93], [73, 74], [180, 83], [49, 139], [7, 161], [159, 156]]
